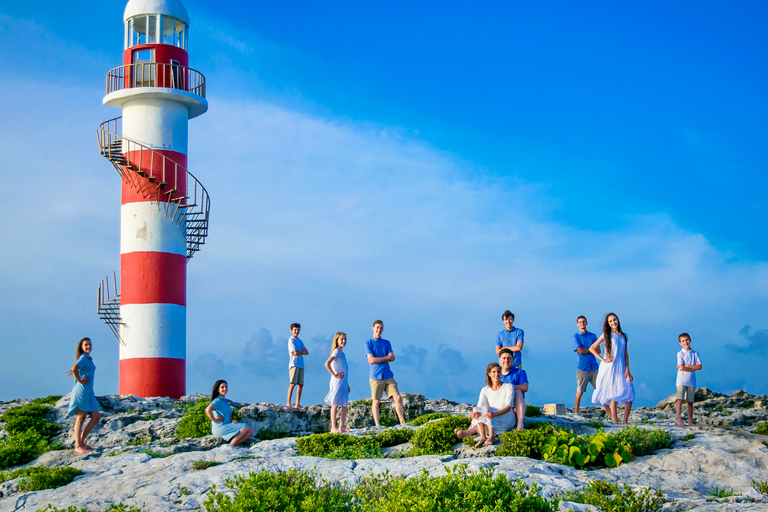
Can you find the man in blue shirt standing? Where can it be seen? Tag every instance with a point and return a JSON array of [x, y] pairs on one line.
[[586, 372], [512, 338], [381, 377]]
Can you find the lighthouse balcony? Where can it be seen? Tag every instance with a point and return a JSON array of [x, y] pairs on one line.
[[151, 79]]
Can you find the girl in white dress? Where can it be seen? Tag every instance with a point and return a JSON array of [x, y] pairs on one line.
[[614, 381], [338, 393], [491, 416]]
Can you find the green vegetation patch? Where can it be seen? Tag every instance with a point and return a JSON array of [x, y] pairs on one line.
[[202, 464], [546, 442], [157, 454], [722, 492], [608, 497], [426, 418], [38, 478], [48, 400], [344, 446], [688, 437], [302, 491], [437, 437], [531, 411], [760, 486], [194, 422], [278, 432], [119, 507], [29, 430], [762, 429]]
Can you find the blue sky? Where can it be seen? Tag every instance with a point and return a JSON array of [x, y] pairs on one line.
[[431, 165]]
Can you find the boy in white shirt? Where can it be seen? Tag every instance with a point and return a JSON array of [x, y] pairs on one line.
[[688, 361], [296, 353]]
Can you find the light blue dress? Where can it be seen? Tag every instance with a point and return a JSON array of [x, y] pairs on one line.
[[226, 429], [83, 397]]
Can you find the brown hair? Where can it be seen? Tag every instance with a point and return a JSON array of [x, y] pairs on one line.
[[378, 322], [607, 333], [79, 352], [215, 392], [491, 366]]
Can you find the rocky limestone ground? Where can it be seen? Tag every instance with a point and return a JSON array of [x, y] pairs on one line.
[[124, 466]]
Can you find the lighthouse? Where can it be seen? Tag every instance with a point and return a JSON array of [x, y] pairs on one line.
[[164, 209]]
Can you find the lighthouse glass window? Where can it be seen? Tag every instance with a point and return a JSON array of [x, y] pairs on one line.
[[174, 32], [142, 29]]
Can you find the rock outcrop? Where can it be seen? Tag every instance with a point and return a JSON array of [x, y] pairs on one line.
[[138, 460]]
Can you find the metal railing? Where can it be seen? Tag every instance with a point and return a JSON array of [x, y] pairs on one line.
[[152, 74], [161, 179], [109, 306]]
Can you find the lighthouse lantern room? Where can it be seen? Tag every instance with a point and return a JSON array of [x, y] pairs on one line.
[[164, 208]]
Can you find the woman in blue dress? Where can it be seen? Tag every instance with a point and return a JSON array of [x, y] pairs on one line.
[[220, 414], [82, 401]]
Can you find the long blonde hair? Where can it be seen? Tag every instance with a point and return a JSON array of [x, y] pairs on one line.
[[336, 337], [79, 352]]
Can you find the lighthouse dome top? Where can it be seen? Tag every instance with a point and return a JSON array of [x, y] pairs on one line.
[[165, 7]]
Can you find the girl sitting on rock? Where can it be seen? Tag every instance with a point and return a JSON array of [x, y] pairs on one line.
[[220, 413], [82, 401], [491, 416]]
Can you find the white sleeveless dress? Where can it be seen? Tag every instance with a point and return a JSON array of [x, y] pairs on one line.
[[612, 385], [338, 389]]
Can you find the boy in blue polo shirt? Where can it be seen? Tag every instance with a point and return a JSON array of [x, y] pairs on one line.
[[519, 379], [586, 372], [512, 338], [381, 377], [688, 362]]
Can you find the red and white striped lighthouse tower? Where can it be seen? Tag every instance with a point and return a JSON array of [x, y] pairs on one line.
[[164, 212]]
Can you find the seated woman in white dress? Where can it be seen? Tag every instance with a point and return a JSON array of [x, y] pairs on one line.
[[492, 415]]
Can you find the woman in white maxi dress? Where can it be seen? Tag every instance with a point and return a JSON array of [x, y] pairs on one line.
[[614, 380]]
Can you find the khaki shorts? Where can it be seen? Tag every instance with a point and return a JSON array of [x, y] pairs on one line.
[[687, 393], [384, 386], [297, 375], [583, 378]]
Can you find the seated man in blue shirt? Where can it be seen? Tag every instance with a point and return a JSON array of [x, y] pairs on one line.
[[517, 378], [586, 371]]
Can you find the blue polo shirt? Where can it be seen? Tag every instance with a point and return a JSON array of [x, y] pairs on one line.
[[587, 362], [515, 377], [509, 339], [379, 348]]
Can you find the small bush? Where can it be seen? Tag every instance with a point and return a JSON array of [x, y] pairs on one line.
[[28, 410], [437, 437], [722, 492], [21, 448], [268, 491], [38, 478], [139, 441], [339, 446], [156, 454], [426, 418], [762, 429], [184, 491], [119, 507], [608, 497], [522, 443], [195, 423], [531, 411], [643, 441], [394, 437], [202, 464], [19, 424], [760, 486], [688, 437], [595, 424]]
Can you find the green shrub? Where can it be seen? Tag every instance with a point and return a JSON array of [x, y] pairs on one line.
[[387, 419], [277, 492], [236, 415], [426, 418], [278, 432], [595, 424], [722, 492], [38, 478], [184, 491], [600, 449], [688, 437], [339, 446], [139, 441], [437, 437], [643, 441], [394, 437], [760, 486], [119, 507], [195, 423], [42, 426], [522, 443], [762, 429], [531, 411], [301, 491], [48, 400], [21, 448], [157, 454], [202, 464], [28, 410], [608, 497]]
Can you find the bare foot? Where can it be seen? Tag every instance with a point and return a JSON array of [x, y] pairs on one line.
[[480, 441], [679, 423], [488, 442], [520, 428], [334, 430], [345, 430], [297, 407], [82, 450], [289, 407], [691, 424], [459, 433]]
